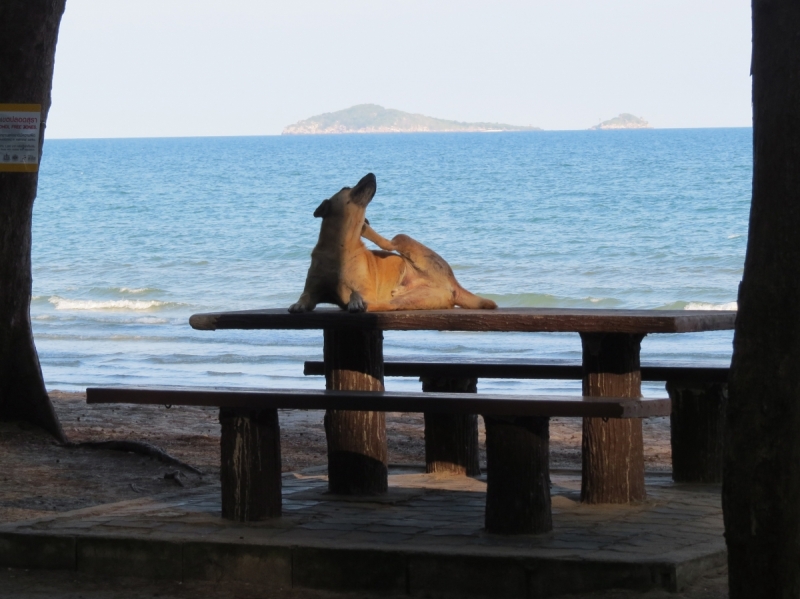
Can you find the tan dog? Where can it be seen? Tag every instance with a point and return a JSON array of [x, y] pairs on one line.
[[344, 272]]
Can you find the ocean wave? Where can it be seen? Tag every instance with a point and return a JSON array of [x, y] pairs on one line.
[[710, 306], [545, 300], [699, 306], [151, 320], [138, 290], [61, 303]]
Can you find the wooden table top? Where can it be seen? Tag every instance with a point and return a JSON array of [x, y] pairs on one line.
[[531, 320]]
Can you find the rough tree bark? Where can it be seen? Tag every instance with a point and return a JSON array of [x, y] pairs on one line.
[[28, 35], [612, 448], [696, 427], [761, 479], [250, 472], [357, 448], [451, 440], [518, 475]]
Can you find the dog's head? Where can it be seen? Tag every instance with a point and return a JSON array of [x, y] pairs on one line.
[[350, 201]]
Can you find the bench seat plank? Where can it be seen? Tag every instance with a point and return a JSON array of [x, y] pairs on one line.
[[534, 370], [385, 401]]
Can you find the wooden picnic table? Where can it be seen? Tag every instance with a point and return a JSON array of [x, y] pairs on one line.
[[613, 459]]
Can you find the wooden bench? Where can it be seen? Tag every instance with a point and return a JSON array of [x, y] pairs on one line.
[[698, 396], [517, 439]]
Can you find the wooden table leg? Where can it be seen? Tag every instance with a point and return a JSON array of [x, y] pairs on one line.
[[696, 426], [357, 452], [518, 475], [613, 452], [451, 440], [251, 464]]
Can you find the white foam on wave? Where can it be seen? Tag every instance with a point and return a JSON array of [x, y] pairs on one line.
[[737, 236], [709, 306], [61, 303], [134, 290]]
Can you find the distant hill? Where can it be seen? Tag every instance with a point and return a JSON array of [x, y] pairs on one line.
[[371, 118], [623, 121]]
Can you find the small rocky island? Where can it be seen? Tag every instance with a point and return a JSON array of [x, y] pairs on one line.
[[371, 118], [623, 121]]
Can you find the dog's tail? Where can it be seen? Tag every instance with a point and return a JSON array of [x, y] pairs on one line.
[[465, 299]]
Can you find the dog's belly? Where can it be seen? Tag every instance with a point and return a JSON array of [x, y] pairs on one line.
[[381, 276]]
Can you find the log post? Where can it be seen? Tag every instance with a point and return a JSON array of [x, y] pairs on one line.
[[697, 428], [518, 475], [612, 448], [451, 440], [251, 464], [357, 451]]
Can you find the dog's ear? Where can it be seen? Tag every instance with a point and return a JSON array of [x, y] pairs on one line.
[[323, 210]]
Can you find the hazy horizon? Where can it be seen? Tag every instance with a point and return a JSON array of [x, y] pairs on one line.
[[192, 69], [612, 131]]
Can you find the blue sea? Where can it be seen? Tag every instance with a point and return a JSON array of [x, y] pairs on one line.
[[132, 236]]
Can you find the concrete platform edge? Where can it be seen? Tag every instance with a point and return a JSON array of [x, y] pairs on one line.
[[344, 569]]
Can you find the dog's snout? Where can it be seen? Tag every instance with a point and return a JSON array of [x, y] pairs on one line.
[[364, 190], [369, 178]]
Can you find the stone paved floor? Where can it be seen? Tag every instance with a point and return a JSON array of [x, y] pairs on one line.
[[424, 512]]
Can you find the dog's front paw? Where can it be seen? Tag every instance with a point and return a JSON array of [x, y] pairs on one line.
[[297, 308], [356, 303]]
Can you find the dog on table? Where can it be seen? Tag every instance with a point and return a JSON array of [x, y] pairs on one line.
[[402, 275]]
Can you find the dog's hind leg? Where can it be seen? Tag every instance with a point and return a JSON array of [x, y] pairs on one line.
[[424, 298], [368, 232], [419, 255]]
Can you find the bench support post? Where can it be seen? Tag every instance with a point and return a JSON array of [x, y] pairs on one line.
[[451, 440], [612, 448], [357, 450], [251, 464], [696, 425], [518, 475]]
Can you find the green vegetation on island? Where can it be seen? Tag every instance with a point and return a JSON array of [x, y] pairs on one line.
[[371, 118], [623, 121]]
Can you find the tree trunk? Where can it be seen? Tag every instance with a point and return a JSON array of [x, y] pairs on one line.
[[357, 451], [696, 430], [451, 440], [518, 475], [250, 472], [612, 448], [761, 480], [28, 34]]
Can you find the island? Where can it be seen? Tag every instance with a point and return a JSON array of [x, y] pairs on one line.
[[623, 121], [371, 118]]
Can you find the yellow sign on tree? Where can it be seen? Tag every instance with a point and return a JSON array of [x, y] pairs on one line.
[[20, 126]]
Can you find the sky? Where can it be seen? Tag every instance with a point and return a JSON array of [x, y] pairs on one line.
[[173, 68]]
